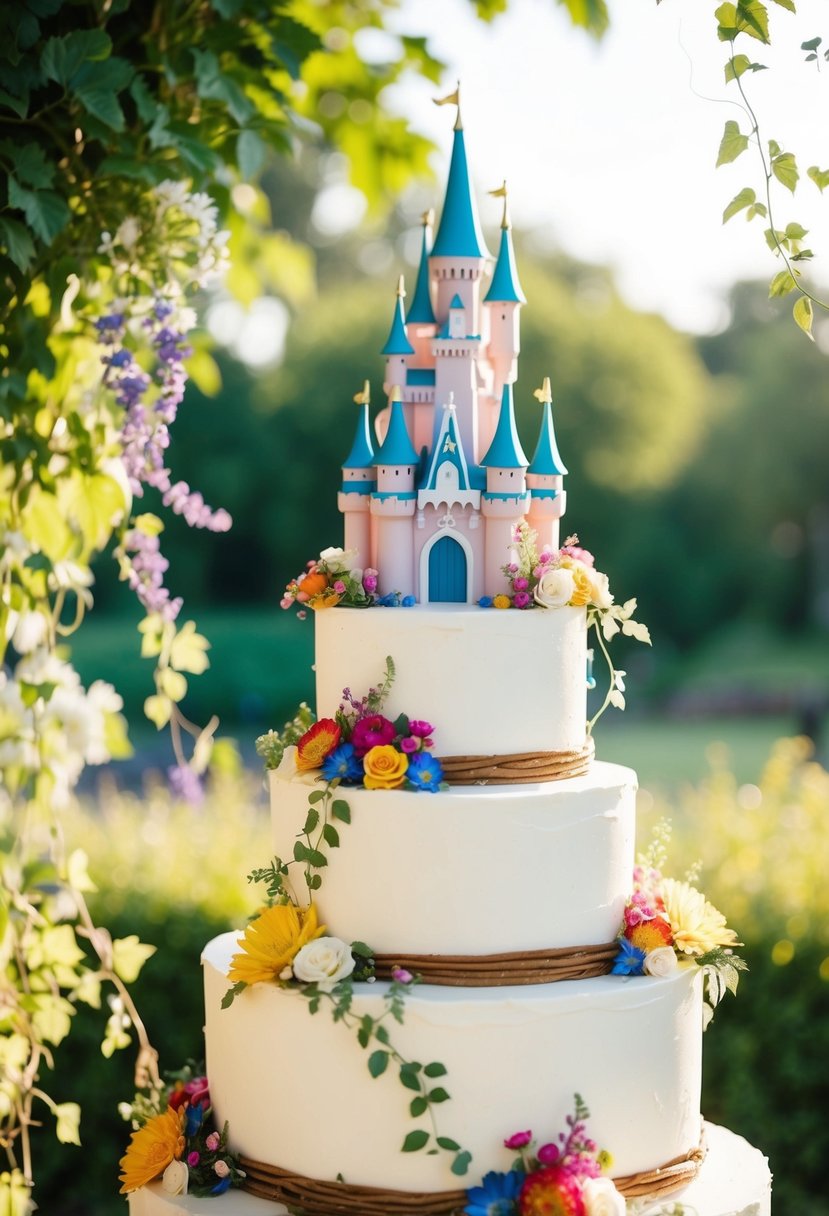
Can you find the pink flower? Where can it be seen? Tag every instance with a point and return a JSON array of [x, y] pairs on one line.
[[339, 587], [374, 731], [518, 1140], [549, 1154], [521, 599], [401, 976], [580, 555], [222, 1168], [193, 1159], [286, 602], [192, 1093], [545, 557], [302, 596], [513, 568], [213, 1141], [420, 728], [520, 584], [409, 745], [370, 580]]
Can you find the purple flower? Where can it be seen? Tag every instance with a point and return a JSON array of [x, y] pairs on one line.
[[401, 976], [374, 731], [420, 728], [409, 745], [520, 584], [521, 599], [186, 784]]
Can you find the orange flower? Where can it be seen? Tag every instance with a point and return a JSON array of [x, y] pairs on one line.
[[313, 583], [650, 934], [384, 767], [151, 1149], [271, 942], [316, 743], [324, 601]]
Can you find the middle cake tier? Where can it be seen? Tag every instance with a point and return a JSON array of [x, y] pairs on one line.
[[474, 870]]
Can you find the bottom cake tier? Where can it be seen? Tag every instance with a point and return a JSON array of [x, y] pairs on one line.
[[733, 1181], [297, 1094]]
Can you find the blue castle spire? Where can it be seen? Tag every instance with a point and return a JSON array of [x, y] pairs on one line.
[[459, 233], [361, 455], [397, 343], [505, 451], [505, 286], [546, 461], [397, 447], [420, 309]]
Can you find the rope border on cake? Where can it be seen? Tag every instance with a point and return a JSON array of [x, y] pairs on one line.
[[499, 970], [518, 768], [314, 1197]]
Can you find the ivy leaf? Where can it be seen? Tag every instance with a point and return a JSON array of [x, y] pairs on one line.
[[46, 212], [736, 65], [744, 199], [30, 163], [187, 652], [803, 315], [438, 1094], [460, 1165], [811, 45], [415, 1140], [435, 1069], [232, 993], [784, 168], [732, 144], [445, 1142], [172, 684], [68, 1116], [145, 103], [159, 710], [341, 810], [331, 836], [409, 1077], [96, 86], [215, 85], [62, 57], [417, 1107], [19, 245], [378, 1062], [128, 957], [819, 176], [787, 4], [311, 821], [753, 19], [782, 283]]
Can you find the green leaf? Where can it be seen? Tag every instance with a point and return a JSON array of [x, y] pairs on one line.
[[172, 684], [316, 859], [796, 232], [311, 821], [188, 650], [331, 835], [300, 851], [757, 209], [68, 1116], [378, 1062], [30, 163], [819, 176], [46, 212], [782, 283], [417, 1107], [341, 810], [744, 199], [435, 1069], [159, 710], [128, 957], [787, 4], [409, 1077], [803, 315], [460, 1165], [732, 144], [232, 993], [145, 103], [446, 1142], [96, 86], [250, 153], [215, 85], [784, 168], [46, 526], [204, 371], [774, 238], [62, 57], [812, 44], [415, 1140], [735, 67], [18, 243], [316, 796], [438, 1094]]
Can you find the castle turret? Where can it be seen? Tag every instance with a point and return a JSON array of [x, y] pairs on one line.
[[354, 498], [459, 254], [503, 303], [545, 476], [506, 499], [393, 503], [398, 348]]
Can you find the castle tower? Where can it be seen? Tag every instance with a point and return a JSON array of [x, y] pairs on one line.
[[545, 477], [503, 303], [506, 499], [354, 498], [398, 348], [393, 504], [421, 328], [456, 350], [459, 254]]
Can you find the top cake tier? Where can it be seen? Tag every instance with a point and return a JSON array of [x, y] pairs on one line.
[[490, 682]]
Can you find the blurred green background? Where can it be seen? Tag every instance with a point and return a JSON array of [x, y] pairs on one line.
[[698, 476]]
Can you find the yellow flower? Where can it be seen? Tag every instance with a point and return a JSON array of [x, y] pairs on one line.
[[697, 925], [151, 1149], [271, 942], [384, 767], [502, 601]]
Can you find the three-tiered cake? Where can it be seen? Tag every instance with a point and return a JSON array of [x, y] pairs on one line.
[[505, 890]]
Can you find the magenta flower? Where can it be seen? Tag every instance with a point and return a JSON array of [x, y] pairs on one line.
[[549, 1154], [401, 976], [545, 557], [521, 599], [520, 584], [409, 745], [339, 587], [193, 1159], [518, 1140], [420, 728], [513, 568], [374, 731]]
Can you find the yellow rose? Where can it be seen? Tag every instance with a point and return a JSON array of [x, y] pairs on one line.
[[502, 601], [384, 767]]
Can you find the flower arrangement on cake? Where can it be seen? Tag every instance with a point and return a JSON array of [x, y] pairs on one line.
[[560, 1178], [332, 579], [174, 1139]]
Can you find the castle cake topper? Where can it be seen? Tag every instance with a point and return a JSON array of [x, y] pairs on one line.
[[434, 502]]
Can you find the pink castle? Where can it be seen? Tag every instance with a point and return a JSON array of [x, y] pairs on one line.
[[435, 506]]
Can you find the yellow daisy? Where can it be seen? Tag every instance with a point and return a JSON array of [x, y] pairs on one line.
[[271, 942], [697, 925], [151, 1149]]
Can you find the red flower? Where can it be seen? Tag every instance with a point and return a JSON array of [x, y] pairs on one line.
[[551, 1192], [191, 1093], [316, 744], [375, 731]]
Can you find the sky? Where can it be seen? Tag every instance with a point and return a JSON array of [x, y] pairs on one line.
[[609, 148]]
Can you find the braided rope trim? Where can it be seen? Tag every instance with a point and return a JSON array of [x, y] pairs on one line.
[[518, 768], [317, 1198], [499, 970]]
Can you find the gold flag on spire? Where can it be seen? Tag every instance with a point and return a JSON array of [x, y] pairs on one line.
[[428, 218], [364, 397], [545, 393], [501, 192], [452, 99], [401, 288]]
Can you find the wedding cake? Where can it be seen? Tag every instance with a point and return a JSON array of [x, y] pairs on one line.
[[459, 955]]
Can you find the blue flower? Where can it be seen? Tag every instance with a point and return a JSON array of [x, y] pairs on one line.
[[221, 1186], [342, 763], [409, 601], [485, 601], [630, 960], [193, 1119], [496, 1196], [424, 772]]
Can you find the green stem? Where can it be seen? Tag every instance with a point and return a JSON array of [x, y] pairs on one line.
[[612, 671]]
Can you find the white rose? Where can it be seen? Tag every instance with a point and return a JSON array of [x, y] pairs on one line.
[[175, 1178], [338, 560], [325, 962], [599, 588], [555, 588], [602, 1199], [662, 961]]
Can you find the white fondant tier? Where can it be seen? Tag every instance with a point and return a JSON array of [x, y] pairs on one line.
[[734, 1181], [297, 1093], [474, 869], [490, 682]]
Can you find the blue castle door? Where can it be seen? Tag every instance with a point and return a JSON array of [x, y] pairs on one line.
[[447, 572]]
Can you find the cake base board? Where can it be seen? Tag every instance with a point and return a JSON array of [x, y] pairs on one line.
[[734, 1181]]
